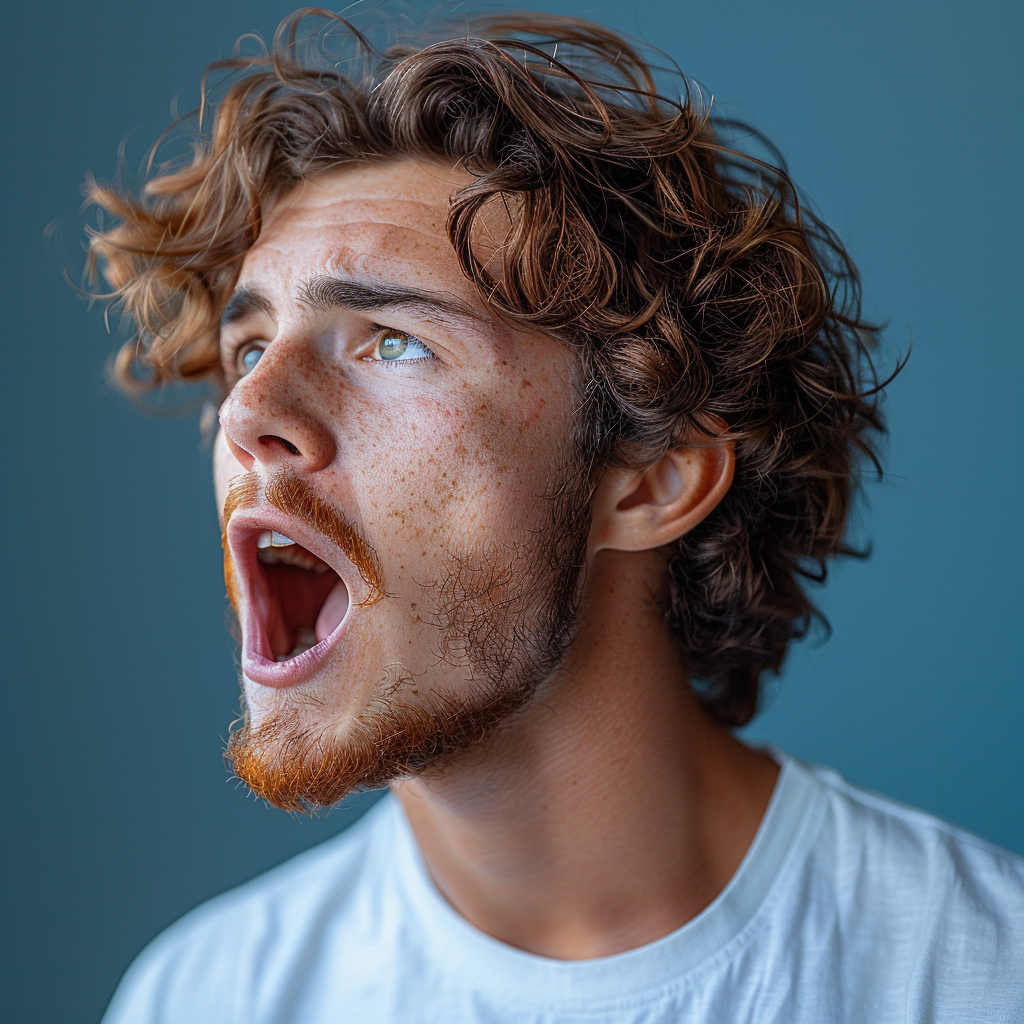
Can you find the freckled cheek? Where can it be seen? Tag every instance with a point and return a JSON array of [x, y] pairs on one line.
[[399, 457], [429, 471], [427, 492]]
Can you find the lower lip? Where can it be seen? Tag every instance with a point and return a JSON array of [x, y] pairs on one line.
[[258, 668]]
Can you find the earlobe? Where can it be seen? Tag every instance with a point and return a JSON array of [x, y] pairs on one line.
[[642, 509]]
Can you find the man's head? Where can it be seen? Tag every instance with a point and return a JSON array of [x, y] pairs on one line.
[[478, 318]]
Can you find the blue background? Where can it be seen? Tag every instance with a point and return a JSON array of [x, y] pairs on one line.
[[899, 119]]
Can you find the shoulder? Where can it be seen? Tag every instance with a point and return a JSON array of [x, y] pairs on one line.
[[215, 961], [945, 905], [914, 850]]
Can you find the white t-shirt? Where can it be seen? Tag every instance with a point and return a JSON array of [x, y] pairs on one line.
[[848, 907]]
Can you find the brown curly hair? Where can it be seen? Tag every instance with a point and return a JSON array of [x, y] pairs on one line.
[[685, 274]]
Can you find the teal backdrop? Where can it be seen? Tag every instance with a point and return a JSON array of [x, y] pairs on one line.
[[900, 120]]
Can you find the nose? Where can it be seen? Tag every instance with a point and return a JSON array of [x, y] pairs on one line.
[[271, 418]]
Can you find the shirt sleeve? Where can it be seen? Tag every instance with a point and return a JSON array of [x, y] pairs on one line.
[[970, 960], [187, 975]]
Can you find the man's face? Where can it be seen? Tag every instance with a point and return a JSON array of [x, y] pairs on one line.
[[410, 446]]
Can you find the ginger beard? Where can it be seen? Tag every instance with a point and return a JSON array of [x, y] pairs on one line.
[[505, 618]]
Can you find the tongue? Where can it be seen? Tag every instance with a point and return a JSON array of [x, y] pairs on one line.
[[332, 612]]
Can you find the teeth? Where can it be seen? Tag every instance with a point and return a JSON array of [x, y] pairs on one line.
[[276, 547], [273, 539]]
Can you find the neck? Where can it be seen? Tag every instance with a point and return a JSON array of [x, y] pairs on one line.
[[610, 812]]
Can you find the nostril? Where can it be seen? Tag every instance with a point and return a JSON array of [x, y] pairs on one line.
[[273, 439]]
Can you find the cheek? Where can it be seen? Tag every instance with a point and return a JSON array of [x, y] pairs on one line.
[[423, 463], [444, 475]]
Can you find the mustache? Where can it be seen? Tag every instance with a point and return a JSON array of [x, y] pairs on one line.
[[297, 498]]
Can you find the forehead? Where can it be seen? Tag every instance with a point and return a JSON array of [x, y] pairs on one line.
[[383, 221]]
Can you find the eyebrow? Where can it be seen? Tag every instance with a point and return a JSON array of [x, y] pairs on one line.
[[323, 292], [243, 303]]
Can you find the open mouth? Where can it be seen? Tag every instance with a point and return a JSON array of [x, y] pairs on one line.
[[297, 599]]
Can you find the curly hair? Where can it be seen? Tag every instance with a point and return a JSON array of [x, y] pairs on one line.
[[684, 273]]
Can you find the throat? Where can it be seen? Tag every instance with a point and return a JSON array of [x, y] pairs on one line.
[[633, 817], [303, 607]]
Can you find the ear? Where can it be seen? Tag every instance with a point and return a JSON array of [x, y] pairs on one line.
[[642, 509]]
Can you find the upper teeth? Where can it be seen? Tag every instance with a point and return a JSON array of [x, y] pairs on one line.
[[273, 539], [275, 547]]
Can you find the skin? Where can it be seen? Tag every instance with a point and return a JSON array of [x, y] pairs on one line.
[[612, 810]]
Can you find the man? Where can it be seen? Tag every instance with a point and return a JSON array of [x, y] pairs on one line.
[[539, 404]]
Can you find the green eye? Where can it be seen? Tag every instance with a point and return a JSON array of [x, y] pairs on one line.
[[392, 344]]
